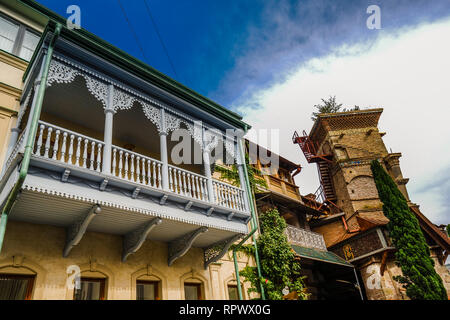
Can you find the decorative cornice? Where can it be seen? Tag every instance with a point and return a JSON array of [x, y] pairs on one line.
[[13, 61]]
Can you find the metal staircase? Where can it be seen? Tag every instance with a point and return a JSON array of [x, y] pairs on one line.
[[325, 193]]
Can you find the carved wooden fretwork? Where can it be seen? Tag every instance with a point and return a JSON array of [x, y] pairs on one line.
[[134, 240], [180, 246], [63, 71], [153, 114], [76, 231], [216, 251]]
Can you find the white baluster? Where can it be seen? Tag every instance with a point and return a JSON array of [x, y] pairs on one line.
[[99, 157], [189, 187], [114, 161], [39, 141], [196, 190], [170, 179], [184, 183], [175, 177], [153, 175], [235, 201], [63, 147], [204, 195], [126, 166], [159, 175], [70, 153], [78, 151], [92, 157], [149, 173], [138, 169], [56, 145], [132, 168], [120, 164], [85, 159], [143, 171], [47, 142]]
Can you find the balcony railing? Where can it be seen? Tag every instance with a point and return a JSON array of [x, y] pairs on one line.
[[135, 167], [305, 238], [72, 148]]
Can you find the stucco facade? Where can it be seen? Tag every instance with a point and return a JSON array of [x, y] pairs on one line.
[[36, 249]]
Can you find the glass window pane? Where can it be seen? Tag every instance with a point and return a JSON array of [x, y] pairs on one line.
[[233, 293], [14, 287], [146, 291], [8, 34], [191, 291], [30, 41], [90, 290]]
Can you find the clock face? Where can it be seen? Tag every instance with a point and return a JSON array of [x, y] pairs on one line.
[[348, 252]]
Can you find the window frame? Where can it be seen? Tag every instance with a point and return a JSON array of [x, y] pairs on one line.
[[102, 282], [199, 289], [235, 285], [18, 41], [154, 282], [31, 280]]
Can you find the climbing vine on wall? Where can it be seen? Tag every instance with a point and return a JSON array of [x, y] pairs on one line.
[[413, 254], [280, 267]]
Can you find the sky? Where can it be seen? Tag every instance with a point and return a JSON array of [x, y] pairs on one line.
[[272, 61]]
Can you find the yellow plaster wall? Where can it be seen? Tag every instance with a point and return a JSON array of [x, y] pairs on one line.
[[37, 249]]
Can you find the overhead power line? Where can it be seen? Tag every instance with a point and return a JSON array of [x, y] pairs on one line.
[[133, 32], [160, 38]]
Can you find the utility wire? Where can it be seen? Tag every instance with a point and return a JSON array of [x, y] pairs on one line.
[[160, 38], [133, 32]]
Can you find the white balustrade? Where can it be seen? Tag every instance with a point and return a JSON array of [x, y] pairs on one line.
[[63, 145], [305, 238], [229, 196], [187, 183], [135, 167], [59, 144]]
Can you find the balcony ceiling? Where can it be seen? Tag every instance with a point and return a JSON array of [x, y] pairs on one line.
[[38, 208]]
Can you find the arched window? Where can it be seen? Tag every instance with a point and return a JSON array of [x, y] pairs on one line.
[[148, 288], [193, 290], [16, 286], [93, 286], [232, 290]]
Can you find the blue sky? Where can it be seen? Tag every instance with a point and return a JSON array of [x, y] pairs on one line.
[[225, 49], [272, 61]]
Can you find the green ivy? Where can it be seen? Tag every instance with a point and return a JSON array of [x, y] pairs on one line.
[[413, 254], [279, 266], [232, 175]]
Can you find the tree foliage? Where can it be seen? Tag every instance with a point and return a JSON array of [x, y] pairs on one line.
[[330, 106], [413, 254], [279, 265]]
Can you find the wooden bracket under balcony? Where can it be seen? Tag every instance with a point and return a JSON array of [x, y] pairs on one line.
[[76, 231], [216, 251], [180, 246], [134, 240]]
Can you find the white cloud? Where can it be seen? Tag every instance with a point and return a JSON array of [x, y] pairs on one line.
[[406, 73]]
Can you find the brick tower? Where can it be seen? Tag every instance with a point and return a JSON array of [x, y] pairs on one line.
[[343, 145]]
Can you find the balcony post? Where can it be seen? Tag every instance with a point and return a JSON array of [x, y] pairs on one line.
[[207, 169], [108, 132], [163, 151], [240, 165]]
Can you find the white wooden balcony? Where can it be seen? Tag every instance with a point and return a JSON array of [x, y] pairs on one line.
[[74, 150], [84, 177]]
